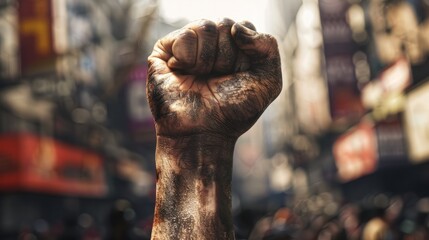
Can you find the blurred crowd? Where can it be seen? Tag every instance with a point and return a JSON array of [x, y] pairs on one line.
[[379, 217]]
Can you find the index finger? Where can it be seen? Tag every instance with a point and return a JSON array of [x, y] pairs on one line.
[[177, 50]]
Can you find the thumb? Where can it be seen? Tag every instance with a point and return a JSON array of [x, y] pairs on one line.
[[257, 46]]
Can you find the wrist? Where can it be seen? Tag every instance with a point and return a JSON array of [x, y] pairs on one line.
[[194, 187], [194, 151]]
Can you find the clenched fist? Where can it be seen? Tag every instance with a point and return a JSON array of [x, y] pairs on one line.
[[207, 84], [214, 78]]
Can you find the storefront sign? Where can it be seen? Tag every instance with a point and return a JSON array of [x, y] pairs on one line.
[[42, 164], [355, 152]]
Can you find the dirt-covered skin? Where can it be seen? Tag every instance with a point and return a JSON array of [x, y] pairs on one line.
[[207, 84]]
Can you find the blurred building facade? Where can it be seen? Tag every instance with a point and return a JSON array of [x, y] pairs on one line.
[[356, 73], [77, 138]]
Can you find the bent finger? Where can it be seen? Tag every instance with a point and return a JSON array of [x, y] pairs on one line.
[[207, 35], [227, 50]]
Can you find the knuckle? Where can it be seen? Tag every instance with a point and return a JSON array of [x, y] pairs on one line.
[[150, 61], [271, 43], [187, 35], [225, 23], [207, 26]]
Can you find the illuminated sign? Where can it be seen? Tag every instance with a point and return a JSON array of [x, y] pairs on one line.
[[311, 94], [417, 124], [384, 93], [355, 152], [42, 164]]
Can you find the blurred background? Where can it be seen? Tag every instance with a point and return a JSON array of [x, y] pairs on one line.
[[341, 154]]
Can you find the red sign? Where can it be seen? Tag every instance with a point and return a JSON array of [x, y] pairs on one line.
[[36, 36], [355, 152], [42, 164]]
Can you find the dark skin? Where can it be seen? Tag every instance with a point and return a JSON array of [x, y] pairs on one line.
[[208, 83]]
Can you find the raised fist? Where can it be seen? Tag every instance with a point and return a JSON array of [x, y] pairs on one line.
[[214, 78], [207, 84]]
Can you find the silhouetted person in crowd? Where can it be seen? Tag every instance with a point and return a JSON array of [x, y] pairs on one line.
[[119, 222], [71, 230], [208, 83]]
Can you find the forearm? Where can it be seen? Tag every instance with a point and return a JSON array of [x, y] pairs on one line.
[[193, 199]]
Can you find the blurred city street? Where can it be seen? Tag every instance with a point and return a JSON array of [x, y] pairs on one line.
[[342, 153]]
